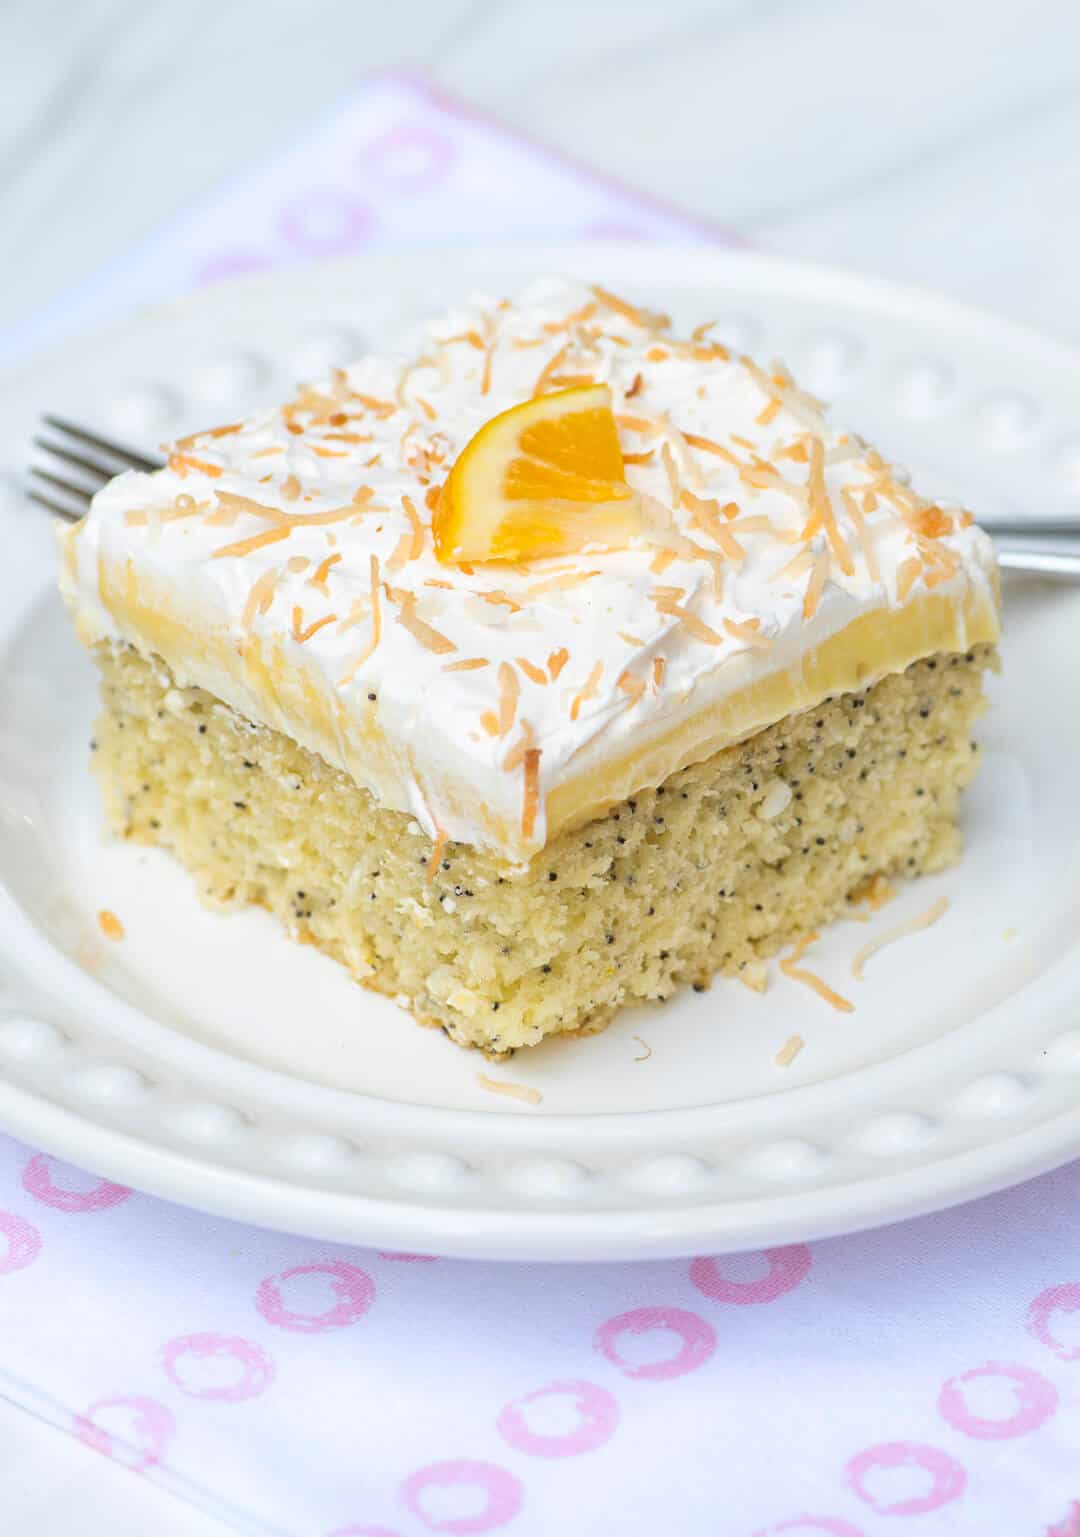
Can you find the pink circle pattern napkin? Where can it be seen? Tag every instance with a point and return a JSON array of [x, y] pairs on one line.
[[922, 1379]]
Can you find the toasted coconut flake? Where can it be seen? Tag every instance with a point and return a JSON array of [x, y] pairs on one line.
[[255, 542], [379, 408], [915, 925], [352, 618], [362, 496], [558, 583], [525, 743], [803, 561], [710, 446], [318, 577], [530, 803], [330, 453], [821, 509], [696, 627], [428, 637], [182, 463], [290, 488], [907, 574], [587, 690], [816, 585], [297, 563], [416, 549], [490, 722], [789, 1051], [661, 561], [635, 387], [557, 661], [768, 413], [259, 598], [468, 664], [434, 581], [399, 556], [376, 626], [630, 423], [209, 432], [299, 633], [110, 924], [931, 522], [550, 369], [631, 640], [674, 487], [509, 693], [521, 1091], [647, 320], [796, 451], [631, 684], [790, 967], [437, 847], [473, 338], [862, 533], [498, 598], [646, 458], [707, 514], [748, 630], [875, 890], [659, 667], [537, 674]]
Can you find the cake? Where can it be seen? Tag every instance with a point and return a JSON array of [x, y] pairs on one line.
[[541, 667]]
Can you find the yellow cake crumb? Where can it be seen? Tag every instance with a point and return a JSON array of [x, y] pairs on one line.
[[721, 866]]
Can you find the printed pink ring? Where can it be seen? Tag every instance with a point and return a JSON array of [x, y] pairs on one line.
[[22, 1243], [503, 1495], [947, 1478], [787, 1268], [38, 1181], [598, 1419], [256, 1367], [353, 1287], [152, 1428], [697, 1335], [1055, 1299], [1036, 1402]]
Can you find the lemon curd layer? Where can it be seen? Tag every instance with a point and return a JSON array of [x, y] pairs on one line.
[[286, 565]]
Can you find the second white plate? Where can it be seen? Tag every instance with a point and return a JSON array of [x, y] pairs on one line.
[[189, 1061]]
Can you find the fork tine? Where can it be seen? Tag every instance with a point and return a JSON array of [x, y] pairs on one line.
[[126, 456], [61, 511], [84, 493], [100, 472]]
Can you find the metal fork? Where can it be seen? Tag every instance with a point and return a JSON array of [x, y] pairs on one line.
[[1044, 546], [97, 459]]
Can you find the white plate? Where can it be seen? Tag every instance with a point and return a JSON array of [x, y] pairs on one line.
[[188, 1059]]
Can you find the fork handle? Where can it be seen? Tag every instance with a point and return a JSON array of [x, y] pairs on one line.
[[1055, 556]]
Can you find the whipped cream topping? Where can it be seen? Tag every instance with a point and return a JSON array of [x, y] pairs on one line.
[[302, 538]]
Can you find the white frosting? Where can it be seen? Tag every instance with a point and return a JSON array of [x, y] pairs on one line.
[[434, 756]]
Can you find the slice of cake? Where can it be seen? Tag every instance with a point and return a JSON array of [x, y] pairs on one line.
[[539, 669]]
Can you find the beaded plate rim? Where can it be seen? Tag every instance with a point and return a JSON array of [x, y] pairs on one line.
[[87, 1078]]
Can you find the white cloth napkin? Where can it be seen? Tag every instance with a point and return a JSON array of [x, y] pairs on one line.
[[291, 1387], [923, 1374], [395, 163]]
